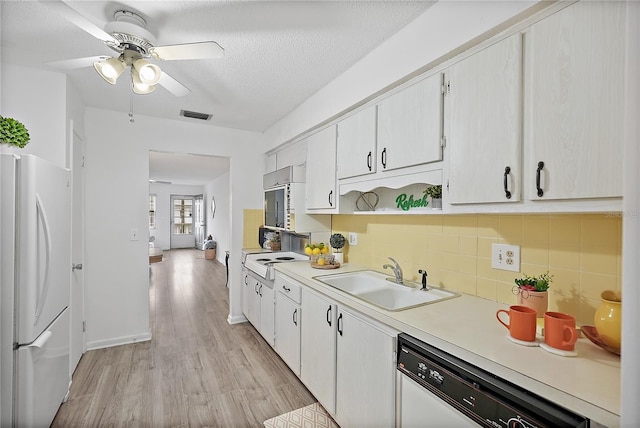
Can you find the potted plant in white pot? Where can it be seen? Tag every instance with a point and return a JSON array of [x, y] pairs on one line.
[[337, 242], [532, 291], [436, 196]]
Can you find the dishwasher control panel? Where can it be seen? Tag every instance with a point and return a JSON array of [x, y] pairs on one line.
[[486, 399]]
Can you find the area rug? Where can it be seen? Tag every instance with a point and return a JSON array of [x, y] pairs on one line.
[[311, 416]]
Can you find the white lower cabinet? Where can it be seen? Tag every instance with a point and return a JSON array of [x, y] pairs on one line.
[[258, 305], [348, 363], [246, 290], [365, 372], [288, 317], [318, 351], [267, 314], [251, 298]]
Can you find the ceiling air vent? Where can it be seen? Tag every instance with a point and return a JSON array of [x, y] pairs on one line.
[[195, 115]]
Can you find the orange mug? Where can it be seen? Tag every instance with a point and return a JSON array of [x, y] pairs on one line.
[[522, 322], [560, 330]]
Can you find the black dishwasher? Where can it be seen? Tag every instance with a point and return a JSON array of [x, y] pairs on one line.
[[434, 377]]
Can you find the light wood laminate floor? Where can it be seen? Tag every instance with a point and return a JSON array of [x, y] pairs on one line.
[[196, 371]]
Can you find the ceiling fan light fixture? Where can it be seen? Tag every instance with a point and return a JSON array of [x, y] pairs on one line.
[[148, 73], [110, 69], [140, 87]]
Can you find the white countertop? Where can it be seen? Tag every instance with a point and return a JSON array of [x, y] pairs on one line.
[[466, 327]]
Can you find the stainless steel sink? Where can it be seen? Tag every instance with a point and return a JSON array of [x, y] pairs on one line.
[[375, 288]]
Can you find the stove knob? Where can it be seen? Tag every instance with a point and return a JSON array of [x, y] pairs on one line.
[[516, 423]]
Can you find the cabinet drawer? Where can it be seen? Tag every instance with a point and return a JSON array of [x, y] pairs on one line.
[[288, 287]]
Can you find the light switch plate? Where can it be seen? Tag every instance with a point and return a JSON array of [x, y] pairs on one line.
[[353, 238], [505, 257]]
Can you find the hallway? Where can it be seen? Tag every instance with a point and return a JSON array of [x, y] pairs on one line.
[[196, 371]]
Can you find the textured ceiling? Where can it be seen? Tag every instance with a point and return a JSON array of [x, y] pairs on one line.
[[277, 53]]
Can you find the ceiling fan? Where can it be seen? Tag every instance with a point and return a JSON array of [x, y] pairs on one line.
[[128, 36]]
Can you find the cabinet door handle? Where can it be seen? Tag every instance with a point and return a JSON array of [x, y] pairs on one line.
[[540, 166], [330, 198], [295, 317], [507, 193], [329, 316], [260, 290], [340, 324], [383, 157], [369, 161], [285, 288], [255, 287], [246, 278]]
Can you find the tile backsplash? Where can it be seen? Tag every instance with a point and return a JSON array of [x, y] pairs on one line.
[[252, 221], [583, 252]]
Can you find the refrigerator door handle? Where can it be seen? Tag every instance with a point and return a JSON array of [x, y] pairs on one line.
[[47, 240], [41, 340]]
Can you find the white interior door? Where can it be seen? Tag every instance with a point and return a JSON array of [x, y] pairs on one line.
[[77, 253], [199, 221], [182, 221]]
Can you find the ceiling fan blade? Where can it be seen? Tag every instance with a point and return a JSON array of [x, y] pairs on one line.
[[173, 86], [201, 50], [80, 21], [70, 64]]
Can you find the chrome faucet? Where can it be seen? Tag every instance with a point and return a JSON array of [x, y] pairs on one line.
[[424, 274], [397, 270]]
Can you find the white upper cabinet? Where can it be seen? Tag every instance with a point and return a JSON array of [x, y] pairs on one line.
[[321, 189], [357, 144], [574, 108], [483, 124], [410, 125]]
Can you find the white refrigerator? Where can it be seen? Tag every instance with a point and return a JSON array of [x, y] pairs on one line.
[[34, 293]]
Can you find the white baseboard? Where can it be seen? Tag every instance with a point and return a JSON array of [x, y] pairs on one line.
[[237, 319], [117, 341]]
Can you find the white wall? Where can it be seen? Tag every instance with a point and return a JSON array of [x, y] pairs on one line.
[[38, 99], [218, 226], [441, 29], [163, 193], [117, 188]]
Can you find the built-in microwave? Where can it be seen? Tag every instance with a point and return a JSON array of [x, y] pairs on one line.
[[278, 204]]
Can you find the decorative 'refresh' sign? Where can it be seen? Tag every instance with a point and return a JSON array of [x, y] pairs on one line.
[[406, 204]]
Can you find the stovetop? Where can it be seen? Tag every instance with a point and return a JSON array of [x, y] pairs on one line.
[[262, 263]]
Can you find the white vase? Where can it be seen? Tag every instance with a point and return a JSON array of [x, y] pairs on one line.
[[338, 257]]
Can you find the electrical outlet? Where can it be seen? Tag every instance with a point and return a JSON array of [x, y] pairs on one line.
[[505, 257], [353, 238]]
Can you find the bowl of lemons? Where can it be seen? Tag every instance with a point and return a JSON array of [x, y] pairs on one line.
[[320, 257]]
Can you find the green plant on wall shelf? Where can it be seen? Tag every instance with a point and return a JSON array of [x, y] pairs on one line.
[[13, 132], [434, 191]]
